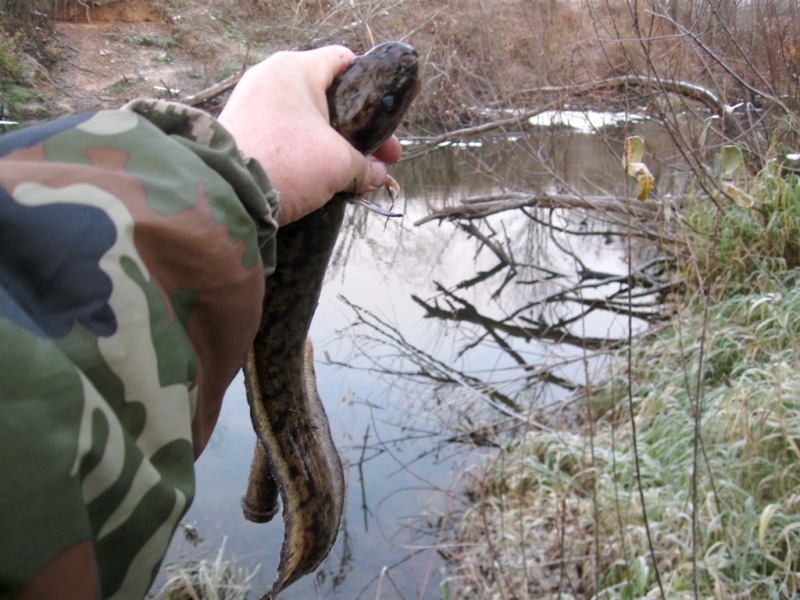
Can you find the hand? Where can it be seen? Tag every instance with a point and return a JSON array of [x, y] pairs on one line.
[[278, 115]]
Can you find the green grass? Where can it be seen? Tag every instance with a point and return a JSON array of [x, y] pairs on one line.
[[735, 241]]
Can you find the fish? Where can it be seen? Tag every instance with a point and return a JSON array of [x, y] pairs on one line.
[[295, 456]]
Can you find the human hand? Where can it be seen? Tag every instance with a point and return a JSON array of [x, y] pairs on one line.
[[278, 115]]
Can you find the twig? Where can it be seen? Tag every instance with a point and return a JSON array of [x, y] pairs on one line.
[[364, 507]]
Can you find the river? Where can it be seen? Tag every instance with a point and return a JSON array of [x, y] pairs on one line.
[[408, 393]]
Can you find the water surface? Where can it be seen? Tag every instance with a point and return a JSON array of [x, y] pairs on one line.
[[403, 389]]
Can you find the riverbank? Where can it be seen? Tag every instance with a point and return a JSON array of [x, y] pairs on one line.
[[62, 56], [682, 478]]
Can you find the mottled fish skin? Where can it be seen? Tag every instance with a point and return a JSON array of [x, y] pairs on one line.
[[366, 104], [369, 100], [284, 402]]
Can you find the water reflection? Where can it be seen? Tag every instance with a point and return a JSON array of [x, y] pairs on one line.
[[435, 343], [543, 159]]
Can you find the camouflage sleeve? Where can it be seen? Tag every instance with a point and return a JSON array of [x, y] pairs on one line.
[[202, 134], [131, 279]]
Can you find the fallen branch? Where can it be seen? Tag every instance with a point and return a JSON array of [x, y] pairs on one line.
[[213, 91], [622, 83], [479, 208]]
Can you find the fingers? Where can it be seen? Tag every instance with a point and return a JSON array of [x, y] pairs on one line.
[[373, 174], [377, 174], [317, 67], [326, 63], [390, 151]]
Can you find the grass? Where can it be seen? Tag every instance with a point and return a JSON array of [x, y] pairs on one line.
[[217, 579], [760, 234], [11, 73], [714, 454]]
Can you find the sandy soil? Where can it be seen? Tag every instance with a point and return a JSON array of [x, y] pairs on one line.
[[124, 50]]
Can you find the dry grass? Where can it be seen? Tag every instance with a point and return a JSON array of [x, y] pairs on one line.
[[217, 579]]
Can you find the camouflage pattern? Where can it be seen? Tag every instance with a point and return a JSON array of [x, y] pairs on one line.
[[133, 248]]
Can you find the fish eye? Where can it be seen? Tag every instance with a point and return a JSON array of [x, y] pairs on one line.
[[387, 103]]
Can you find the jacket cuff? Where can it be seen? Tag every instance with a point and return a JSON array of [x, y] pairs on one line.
[[202, 134]]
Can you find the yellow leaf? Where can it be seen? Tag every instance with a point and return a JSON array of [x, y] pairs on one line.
[[632, 161], [646, 181], [742, 199], [634, 150]]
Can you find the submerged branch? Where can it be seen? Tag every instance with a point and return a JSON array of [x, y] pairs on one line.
[[466, 312], [431, 368]]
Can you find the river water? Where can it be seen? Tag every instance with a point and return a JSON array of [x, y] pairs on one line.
[[422, 347]]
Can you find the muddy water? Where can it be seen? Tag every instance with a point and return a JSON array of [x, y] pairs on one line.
[[421, 340]]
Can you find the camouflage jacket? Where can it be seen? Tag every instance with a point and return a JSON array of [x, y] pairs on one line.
[[133, 249]]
